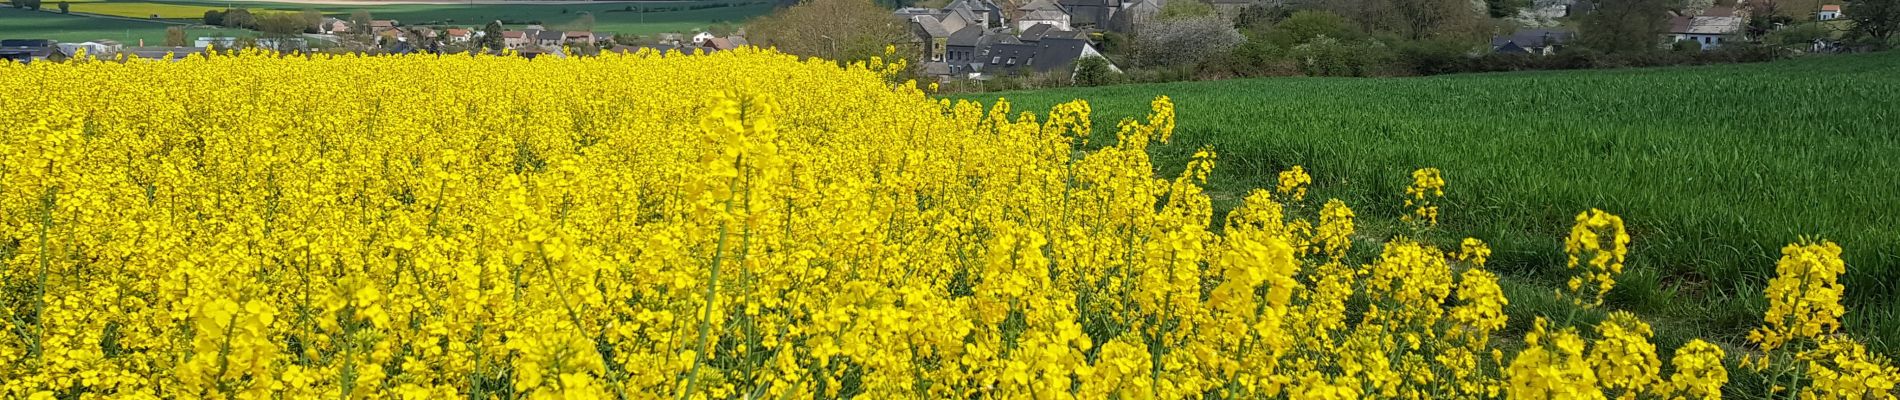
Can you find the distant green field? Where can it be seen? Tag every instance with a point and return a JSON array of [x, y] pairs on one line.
[[609, 17], [130, 9], [22, 24], [1715, 168]]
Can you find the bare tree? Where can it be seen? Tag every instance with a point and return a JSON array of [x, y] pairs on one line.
[[1184, 42], [832, 29]]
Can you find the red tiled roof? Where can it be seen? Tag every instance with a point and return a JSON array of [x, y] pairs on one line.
[[1831, 7]]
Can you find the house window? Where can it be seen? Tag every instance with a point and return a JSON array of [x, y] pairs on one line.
[[1012, 61], [996, 60]]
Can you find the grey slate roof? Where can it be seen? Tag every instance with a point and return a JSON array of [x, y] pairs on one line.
[[968, 36], [1035, 33], [1047, 55], [1706, 25], [1528, 38], [930, 27]]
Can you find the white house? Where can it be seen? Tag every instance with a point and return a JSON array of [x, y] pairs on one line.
[[1042, 12], [220, 42], [96, 48], [1709, 32], [701, 38], [1828, 12]]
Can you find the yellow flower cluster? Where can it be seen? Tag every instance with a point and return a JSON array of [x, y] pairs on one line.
[[1428, 186], [737, 225], [1597, 246], [1800, 349], [1293, 183]]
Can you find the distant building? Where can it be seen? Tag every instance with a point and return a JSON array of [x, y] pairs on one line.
[[333, 26], [27, 51], [931, 36], [1541, 42], [459, 35], [1041, 51], [1709, 32], [159, 53], [1042, 12], [96, 48], [586, 38], [1828, 12], [219, 42], [515, 39], [550, 39], [381, 25]]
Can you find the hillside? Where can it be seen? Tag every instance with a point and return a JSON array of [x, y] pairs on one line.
[[1714, 167]]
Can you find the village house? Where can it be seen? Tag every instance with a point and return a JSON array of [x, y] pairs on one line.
[[1828, 12], [930, 36], [159, 53], [549, 39], [219, 42], [515, 39], [1041, 50], [1089, 14], [97, 48], [458, 35], [1706, 31], [333, 26], [381, 25], [586, 38], [1042, 12], [26, 51], [1540, 42]]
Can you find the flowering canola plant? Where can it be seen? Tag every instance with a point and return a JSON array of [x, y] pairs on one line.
[[744, 224]]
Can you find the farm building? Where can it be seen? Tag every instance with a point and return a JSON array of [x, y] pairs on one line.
[[1709, 32], [1828, 12]]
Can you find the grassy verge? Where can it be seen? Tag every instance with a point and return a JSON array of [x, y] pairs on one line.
[[1714, 167]]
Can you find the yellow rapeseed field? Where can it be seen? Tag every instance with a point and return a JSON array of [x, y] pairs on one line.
[[747, 224]]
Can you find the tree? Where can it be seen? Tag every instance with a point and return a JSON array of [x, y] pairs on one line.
[[1094, 71], [17, 3], [1419, 19], [832, 29], [281, 28], [1305, 25], [65, 8], [33, 5], [312, 20], [1624, 26], [175, 36], [1504, 8], [1185, 9], [1184, 42], [359, 22], [1875, 21], [491, 36], [239, 18], [1258, 17], [214, 17]]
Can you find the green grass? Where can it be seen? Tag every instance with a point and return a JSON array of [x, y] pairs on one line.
[[1715, 169], [23, 24]]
